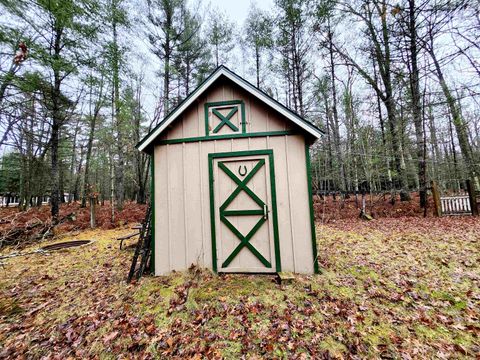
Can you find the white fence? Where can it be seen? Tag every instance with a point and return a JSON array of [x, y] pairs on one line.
[[12, 201], [456, 205]]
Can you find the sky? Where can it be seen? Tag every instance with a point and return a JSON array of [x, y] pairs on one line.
[[238, 9]]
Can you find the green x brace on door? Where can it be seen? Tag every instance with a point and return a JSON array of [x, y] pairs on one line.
[[262, 208]]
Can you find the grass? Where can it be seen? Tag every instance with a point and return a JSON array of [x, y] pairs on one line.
[[388, 288]]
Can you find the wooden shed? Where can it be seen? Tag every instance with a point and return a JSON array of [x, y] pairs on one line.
[[231, 182]]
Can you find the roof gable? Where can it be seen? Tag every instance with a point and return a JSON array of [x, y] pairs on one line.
[[242, 83]]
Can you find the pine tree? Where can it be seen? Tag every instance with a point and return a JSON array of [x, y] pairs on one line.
[[220, 35], [258, 36], [63, 32]]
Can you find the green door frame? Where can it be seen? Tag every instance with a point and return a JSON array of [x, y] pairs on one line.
[[269, 153]]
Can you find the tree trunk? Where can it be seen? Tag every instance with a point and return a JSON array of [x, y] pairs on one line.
[[77, 177], [55, 181], [61, 185], [112, 190], [257, 64], [336, 128], [416, 103], [57, 120], [434, 142], [72, 164], [396, 147], [458, 122], [119, 169]]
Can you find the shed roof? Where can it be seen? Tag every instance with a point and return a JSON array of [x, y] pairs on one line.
[[244, 84]]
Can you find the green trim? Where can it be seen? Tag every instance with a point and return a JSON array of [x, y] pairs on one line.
[[212, 212], [240, 153], [269, 153], [276, 237], [152, 204], [244, 240], [312, 215], [223, 103], [227, 136], [244, 120], [242, 185], [224, 120], [207, 129], [253, 89], [242, 212]]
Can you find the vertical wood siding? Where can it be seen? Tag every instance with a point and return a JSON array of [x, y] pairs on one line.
[[182, 198], [259, 117], [182, 224]]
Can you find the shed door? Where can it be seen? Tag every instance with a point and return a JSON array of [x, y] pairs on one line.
[[244, 214]]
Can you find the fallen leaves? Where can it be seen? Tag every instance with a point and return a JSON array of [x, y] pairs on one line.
[[110, 337], [393, 288], [22, 228]]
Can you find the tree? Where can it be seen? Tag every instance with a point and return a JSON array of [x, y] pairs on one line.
[[62, 31], [192, 58], [7, 78], [377, 29], [439, 18], [164, 31], [118, 18], [258, 35], [409, 32], [97, 100], [324, 25], [220, 35], [294, 38]]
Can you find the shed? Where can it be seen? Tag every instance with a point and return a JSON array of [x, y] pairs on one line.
[[231, 182]]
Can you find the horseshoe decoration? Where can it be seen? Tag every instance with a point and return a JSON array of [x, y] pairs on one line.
[[244, 170]]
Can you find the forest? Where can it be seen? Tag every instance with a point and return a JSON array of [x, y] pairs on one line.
[[393, 84]]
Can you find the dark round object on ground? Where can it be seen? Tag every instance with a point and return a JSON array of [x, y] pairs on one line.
[[65, 245]]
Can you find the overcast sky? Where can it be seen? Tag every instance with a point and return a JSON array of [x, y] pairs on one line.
[[238, 9]]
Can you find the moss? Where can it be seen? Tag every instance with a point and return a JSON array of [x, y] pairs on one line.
[[460, 305], [9, 307], [379, 335], [335, 290], [232, 288], [230, 349], [342, 299], [464, 339], [345, 292], [364, 273], [429, 333], [334, 348]]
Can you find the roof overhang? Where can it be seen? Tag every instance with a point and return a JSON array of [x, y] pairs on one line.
[[244, 84]]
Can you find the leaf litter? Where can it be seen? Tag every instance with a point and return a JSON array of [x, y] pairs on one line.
[[390, 288]]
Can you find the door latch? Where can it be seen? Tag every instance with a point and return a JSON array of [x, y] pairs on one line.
[[265, 211]]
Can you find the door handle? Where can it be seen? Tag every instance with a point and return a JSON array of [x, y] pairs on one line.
[[265, 211]]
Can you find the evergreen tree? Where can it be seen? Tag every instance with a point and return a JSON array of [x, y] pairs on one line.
[[258, 36], [63, 33], [220, 35]]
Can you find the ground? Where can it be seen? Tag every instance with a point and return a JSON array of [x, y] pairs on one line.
[[394, 288]]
